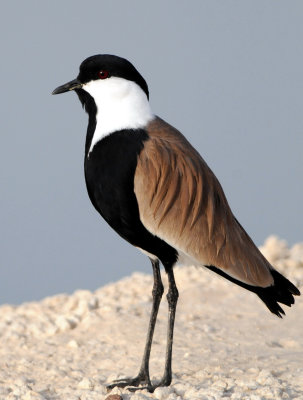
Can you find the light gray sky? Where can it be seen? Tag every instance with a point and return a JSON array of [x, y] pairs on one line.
[[227, 73]]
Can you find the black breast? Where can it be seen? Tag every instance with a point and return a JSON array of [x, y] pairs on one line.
[[109, 174]]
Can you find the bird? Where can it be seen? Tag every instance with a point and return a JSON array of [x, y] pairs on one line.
[[156, 191]]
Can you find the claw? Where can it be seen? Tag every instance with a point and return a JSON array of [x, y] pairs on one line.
[[135, 382], [132, 384], [150, 389], [119, 380]]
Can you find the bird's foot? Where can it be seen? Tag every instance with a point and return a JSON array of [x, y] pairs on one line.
[[141, 378], [133, 384], [165, 381]]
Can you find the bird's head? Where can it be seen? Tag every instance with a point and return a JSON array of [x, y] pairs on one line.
[[107, 75], [113, 93]]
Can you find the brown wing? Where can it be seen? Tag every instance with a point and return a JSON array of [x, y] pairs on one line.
[[181, 201]]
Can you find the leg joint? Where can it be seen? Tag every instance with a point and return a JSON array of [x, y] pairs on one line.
[[172, 296], [158, 290]]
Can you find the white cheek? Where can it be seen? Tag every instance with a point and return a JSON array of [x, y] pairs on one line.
[[121, 104], [101, 89]]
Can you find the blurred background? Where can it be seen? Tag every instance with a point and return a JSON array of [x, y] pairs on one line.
[[228, 74]]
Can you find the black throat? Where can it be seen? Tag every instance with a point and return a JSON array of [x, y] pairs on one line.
[[88, 103]]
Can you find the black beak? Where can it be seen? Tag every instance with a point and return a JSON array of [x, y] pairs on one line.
[[72, 85]]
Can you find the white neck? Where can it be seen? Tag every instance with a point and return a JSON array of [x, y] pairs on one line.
[[121, 104]]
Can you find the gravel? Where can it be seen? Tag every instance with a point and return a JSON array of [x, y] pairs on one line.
[[227, 345]]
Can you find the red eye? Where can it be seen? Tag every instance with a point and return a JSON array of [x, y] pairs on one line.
[[103, 74]]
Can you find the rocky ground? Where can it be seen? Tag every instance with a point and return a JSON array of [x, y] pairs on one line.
[[227, 344]]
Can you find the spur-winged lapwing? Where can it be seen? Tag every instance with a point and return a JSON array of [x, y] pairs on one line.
[[156, 191]]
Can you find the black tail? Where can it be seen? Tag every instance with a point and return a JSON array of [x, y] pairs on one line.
[[282, 291]]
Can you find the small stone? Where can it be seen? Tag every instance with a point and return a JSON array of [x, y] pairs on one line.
[[255, 397], [73, 321], [93, 303], [114, 397], [263, 376], [62, 323], [31, 395], [253, 370], [251, 385], [86, 384], [66, 323], [21, 381], [73, 344], [51, 330], [162, 392], [173, 396], [220, 384], [208, 329], [236, 396], [267, 393]]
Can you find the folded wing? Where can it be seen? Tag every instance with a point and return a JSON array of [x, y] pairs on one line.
[[181, 201]]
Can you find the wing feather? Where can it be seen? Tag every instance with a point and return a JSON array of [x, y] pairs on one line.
[[181, 201]]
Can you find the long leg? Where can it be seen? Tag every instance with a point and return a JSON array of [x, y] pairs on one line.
[[143, 375], [157, 296], [172, 298]]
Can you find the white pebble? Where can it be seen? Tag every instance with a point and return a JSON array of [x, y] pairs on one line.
[[173, 396], [31, 395], [255, 397], [21, 381], [73, 321], [73, 344], [93, 303], [207, 328], [162, 392], [220, 384], [86, 384], [62, 323], [236, 396]]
